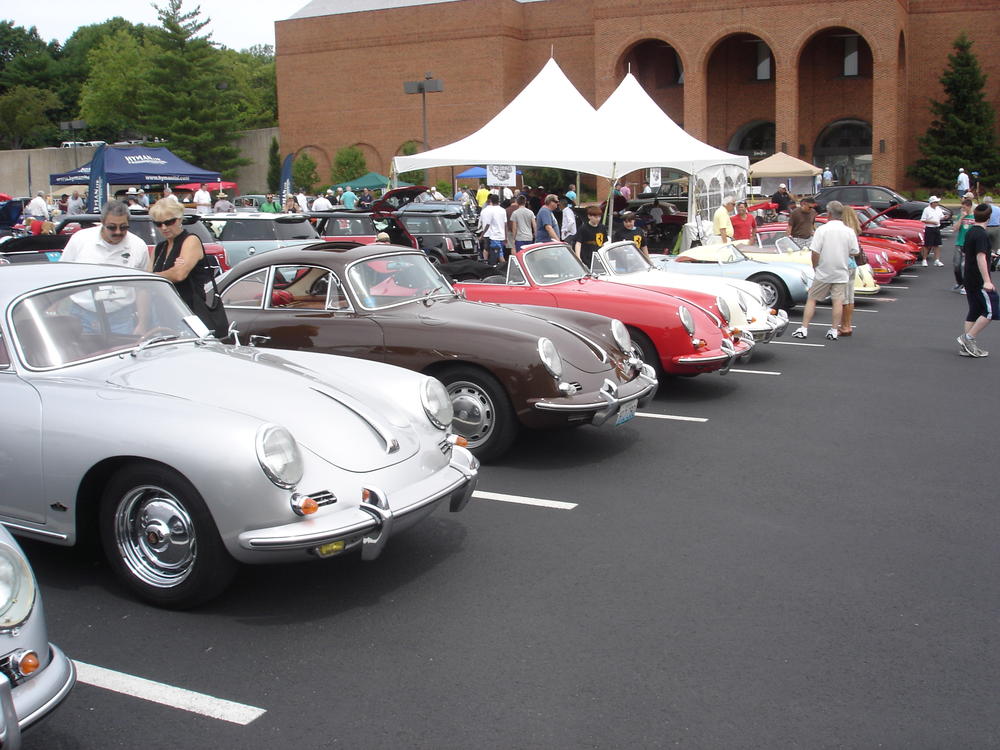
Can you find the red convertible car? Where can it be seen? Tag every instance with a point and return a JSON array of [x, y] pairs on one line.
[[676, 335]]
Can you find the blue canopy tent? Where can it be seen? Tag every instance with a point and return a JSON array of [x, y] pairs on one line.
[[138, 165]]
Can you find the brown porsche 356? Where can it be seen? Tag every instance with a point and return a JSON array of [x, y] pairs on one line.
[[504, 366]]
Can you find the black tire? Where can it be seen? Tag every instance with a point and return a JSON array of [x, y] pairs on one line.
[[144, 505], [772, 285], [483, 413], [646, 351]]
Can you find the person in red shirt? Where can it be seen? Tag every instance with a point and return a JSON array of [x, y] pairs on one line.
[[744, 223]]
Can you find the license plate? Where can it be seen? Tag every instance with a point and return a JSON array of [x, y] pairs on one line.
[[626, 412]]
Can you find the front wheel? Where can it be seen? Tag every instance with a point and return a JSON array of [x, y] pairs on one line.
[[160, 538], [483, 413], [775, 292], [646, 351]]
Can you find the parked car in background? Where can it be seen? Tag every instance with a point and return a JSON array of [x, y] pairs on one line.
[[674, 334], [878, 197], [345, 224], [438, 231], [773, 245], [418, 197], [35, 675], [248, 202], [503, 368], [244, 234], [188, 456]]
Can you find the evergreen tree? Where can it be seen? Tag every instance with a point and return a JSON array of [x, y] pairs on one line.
[[348, 164], [304, 174], [962, 133], [273, 167], [417, 176], [188, 100]]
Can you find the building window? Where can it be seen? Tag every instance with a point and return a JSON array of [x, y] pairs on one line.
[[763, 72], [851, 57]]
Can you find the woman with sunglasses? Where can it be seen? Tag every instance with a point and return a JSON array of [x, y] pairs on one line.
[[180, 258]]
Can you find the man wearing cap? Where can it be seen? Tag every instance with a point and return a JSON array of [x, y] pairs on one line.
[[629, 231], [202, 200], [932, 217], [223, 204], [962, 181], [782, 198], [546, 228], [722, 225]]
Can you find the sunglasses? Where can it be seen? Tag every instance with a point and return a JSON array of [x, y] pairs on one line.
[[166, 223], [116, 227]]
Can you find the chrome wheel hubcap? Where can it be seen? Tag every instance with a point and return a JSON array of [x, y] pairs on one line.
[[475, 416], [155, 536]]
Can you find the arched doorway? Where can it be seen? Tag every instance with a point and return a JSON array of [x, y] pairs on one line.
[[740, 75], [754, 140], [660, 71], [846, 147]]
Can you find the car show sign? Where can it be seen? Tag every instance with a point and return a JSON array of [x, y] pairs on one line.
[[654, 177], [501, 175]]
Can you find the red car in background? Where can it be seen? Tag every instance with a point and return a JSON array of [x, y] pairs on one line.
[[676, 335]]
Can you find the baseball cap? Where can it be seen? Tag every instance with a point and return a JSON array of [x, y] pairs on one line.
[[933, 199], [782, 185]]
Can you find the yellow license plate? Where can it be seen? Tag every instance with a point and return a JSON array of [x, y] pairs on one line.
[[325, 550]]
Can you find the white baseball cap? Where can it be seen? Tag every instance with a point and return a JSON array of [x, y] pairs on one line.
[[933, 199], [782, 185]]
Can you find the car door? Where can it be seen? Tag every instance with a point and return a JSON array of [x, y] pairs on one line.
[[306, 308], [518, 290], [21, 474]]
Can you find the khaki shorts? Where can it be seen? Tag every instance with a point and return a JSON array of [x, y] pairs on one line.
[[820, 290]]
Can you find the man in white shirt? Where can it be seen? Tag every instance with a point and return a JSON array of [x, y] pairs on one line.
[[303, 201], [932, 217], [493, 222], [962, 182], [832, 246], [37, 208], [322, 203], [202, 200], [567, 230], [112, 244], [168, 194], [75, 204]]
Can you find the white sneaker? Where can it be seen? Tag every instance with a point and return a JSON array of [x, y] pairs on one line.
[[923, 263], [801, 332], [832, 334], [938, 263]]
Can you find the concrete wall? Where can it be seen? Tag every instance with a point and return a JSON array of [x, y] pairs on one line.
[[24, 172]]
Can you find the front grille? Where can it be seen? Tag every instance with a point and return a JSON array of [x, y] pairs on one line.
[[323, 497], [445, 446]]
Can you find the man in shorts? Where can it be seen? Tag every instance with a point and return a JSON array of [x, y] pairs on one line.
[[932, 217], [832, 246], [984, 305]]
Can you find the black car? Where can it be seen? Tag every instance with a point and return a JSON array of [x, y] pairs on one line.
[[878, 197]]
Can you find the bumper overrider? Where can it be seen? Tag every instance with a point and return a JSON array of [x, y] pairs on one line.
[[35, 697], [774, 327], [370, 524], [610, 398], [710, 360]]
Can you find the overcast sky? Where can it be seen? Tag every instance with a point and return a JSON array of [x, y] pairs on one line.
[[237, 24]]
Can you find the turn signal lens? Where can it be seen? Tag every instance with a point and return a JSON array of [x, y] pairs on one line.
[[304, 506], [27, 663], [458, 440], [773, 311]]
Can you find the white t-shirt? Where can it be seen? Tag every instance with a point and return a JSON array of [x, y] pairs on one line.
[[87, 246], [933, 216], [493, 220], [302, 201], [322, 204], [835, 242], [202, 198], [38, 208], [568, 223]]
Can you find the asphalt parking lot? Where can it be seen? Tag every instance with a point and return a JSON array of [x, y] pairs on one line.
[[801, 553]]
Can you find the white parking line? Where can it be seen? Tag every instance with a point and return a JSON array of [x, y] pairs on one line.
[[166, 695], [897, 286], [873, 298], [908, 276], [756, 372], [479, 494], [797, 343], [670, 416]]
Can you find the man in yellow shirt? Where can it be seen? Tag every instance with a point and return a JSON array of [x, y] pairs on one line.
[[722, 225], [482, 194]]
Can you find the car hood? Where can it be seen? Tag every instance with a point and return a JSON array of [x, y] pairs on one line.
[[479, 320], [681, 281], [316, 410]]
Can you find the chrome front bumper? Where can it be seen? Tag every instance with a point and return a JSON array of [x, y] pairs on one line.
[[371, 523], [776, 326], [36, 697], [611, 399], [728, 353]]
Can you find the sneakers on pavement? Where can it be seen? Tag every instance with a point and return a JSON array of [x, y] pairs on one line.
[[956, 287], [971, 347], [801, 332], [962, 291], [938, 263], [832, 334], [924, 262]]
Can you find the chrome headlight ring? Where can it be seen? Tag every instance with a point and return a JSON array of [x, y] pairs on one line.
[[279, 455], [621, 335], [687, 320], [549, 355], [727, 314], [437, 403], [17, 588]]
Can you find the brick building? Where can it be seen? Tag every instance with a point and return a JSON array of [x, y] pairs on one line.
[[844, 83]]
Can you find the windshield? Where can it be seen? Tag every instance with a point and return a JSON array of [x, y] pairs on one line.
[[346, 226], [553, 264], [626, 259], [95, 319], [295, 230], [394, 279], [454, 224]]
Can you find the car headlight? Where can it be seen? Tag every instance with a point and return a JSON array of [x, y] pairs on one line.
[[621, 335], [437, 403], [687, 320], [741, 299], [550, 357], [727, 314], [279, 455], [17, 588]]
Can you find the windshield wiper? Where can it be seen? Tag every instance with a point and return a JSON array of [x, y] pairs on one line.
[[426, 299], [154, 340]]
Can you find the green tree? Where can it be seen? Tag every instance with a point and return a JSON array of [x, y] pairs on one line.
[[273, 167], [189, 99], [24, 118], [304, 174], [962, 133], [110, 101], [251, 77], [553, 180], [25, 60], [416, 176], [348, 164]]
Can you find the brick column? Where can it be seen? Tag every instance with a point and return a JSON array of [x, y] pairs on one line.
[[696, 102], [786, 108], [887, 165]]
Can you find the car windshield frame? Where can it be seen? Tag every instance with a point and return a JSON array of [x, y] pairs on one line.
[[53, 327], [532, 257], [634, 254], [361, 290]]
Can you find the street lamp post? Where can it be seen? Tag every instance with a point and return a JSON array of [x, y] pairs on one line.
[[429, 85], [72, 126]]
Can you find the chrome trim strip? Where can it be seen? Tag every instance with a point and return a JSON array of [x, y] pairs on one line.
[[548, 406], [17, 528], [309, 540]]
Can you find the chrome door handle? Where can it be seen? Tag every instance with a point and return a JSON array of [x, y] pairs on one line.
[[258, 339]]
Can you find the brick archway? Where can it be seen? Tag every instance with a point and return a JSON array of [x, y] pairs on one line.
[[659, 67], [740, 86]]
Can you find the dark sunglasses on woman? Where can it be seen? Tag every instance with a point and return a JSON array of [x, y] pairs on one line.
[[166, 222]]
